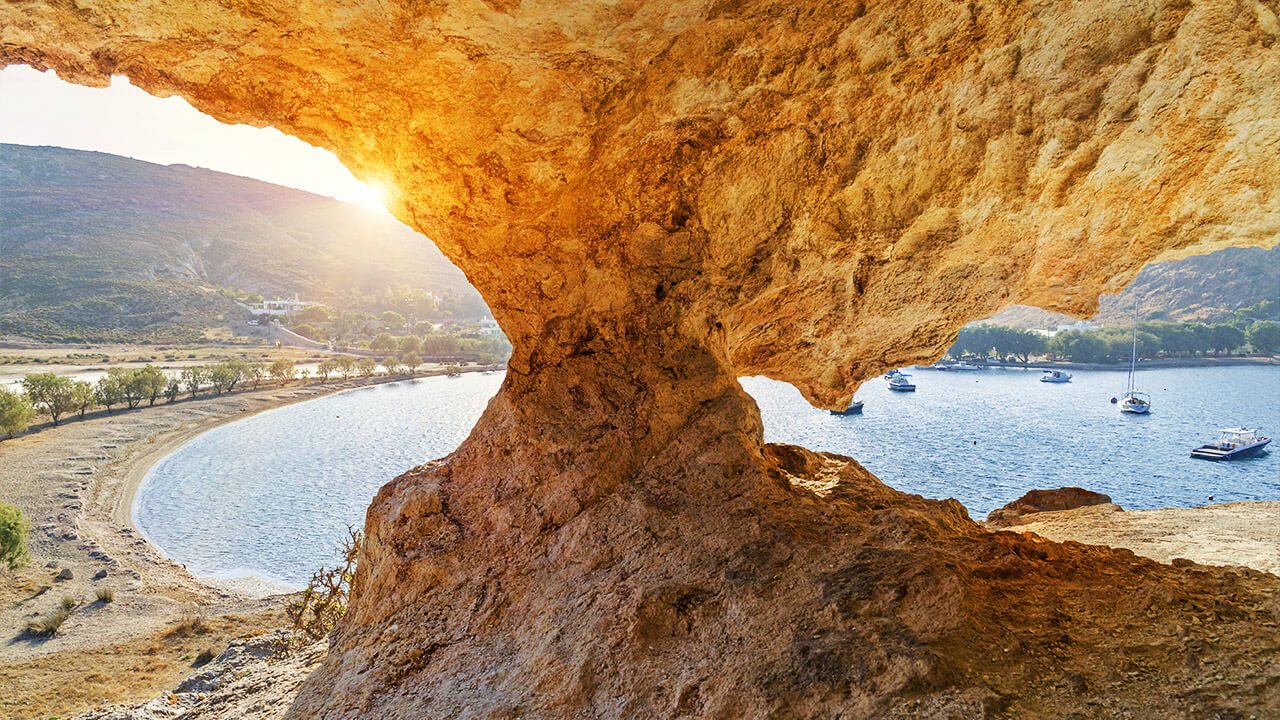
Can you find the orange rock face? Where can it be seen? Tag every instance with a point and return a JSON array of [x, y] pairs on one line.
[[657, 197]]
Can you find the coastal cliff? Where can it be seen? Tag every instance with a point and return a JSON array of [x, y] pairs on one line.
[[655, 198]]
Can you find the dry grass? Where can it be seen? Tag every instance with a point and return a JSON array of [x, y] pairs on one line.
[[69, 682], [189, 626], [48, 625], [105, 595]]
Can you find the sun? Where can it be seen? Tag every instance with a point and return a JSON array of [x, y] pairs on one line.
[[372, 195]]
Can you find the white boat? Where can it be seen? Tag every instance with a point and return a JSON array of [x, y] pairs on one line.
[[965, 367], [1234, 443], [901, 382], [1055, 376], [1134, 402], [1137, 403]]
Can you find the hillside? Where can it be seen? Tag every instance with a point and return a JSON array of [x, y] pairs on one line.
[[1203, 288], [98, 247]]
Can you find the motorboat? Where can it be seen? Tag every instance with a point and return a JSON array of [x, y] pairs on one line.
[[855, 408], [1055, 376], [1234, 443], [965, 367], [901, 382], [1137, 403]]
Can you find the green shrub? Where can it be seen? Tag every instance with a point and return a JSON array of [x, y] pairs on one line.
[[13, 536]]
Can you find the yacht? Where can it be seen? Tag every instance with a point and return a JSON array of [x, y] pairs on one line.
[[1137, 403], [855, 408], [965, 367], [1234, 443], [901, 382], [1055, 376]]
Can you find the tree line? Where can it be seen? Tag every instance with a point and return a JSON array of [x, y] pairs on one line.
[[1154, 339], [59, 397]]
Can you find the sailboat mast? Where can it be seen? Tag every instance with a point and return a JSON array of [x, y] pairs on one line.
[[1133, 353]]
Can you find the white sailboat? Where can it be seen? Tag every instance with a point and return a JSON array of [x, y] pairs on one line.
[[1137, 403]]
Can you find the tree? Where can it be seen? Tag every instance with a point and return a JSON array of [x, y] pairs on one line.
[[346, 366], [222, 376], [410, 344], [15, 412], [312, 314], [192, 378], [83, 393], [392, 364], [172, 389], [133, 387], [1265, 337], [366, 366], [152, 381], [325, 369], [237, 371], [382, 341], [53, 393], [393, 319], [411, 361], [13, 536], [254, 372], [283, 370], [108, 391], [1226, 338]]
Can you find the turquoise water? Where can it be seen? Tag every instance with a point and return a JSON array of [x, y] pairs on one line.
[[271, 495]]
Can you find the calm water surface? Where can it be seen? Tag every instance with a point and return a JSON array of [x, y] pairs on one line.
[[271, 495]]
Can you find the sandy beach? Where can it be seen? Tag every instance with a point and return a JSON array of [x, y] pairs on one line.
[[76, 484]]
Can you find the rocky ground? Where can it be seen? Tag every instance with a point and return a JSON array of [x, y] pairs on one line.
[[1244, 534]]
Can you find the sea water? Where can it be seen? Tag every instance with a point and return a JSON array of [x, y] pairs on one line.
[[272, 495]]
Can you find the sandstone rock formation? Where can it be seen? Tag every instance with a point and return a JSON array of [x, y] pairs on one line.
[[656, 197], [1036, 501]]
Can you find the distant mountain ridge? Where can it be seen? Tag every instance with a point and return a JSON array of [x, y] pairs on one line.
[[96, 246], [1202, 288]]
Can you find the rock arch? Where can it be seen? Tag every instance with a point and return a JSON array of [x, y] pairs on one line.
[[655, 197]]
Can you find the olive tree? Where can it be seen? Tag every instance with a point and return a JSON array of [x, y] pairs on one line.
[[283, 370], [13, 536], [84, 395], [192, 378], [15, 412], [52, 393]]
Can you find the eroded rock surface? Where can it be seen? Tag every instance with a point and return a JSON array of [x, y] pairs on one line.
[[656, 197], [1038, 501]]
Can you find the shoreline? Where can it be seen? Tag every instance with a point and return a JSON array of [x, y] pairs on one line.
[[1123, 366], [138, 468], [76, 484]]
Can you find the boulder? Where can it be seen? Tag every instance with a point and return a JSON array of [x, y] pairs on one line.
[[1065, 498]]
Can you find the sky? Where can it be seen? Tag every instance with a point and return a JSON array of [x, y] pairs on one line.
[[39, 109]]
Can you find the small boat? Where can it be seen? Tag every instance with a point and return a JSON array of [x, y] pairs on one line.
[[1234, 443], [965, 367], [901, 382], [1137, 403], [1134, 402], [1055, 376], [855, 408]]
